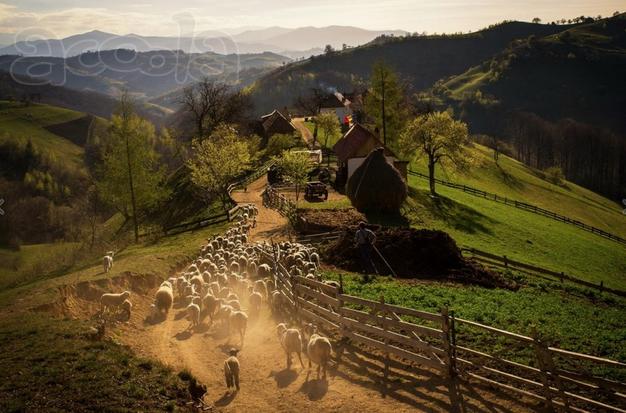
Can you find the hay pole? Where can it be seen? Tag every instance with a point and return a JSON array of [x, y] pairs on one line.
[[385, 261]]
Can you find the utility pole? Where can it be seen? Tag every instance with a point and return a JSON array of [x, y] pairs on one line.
[[382, 77]]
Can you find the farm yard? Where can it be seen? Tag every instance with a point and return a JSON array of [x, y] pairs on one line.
[[353, 231]]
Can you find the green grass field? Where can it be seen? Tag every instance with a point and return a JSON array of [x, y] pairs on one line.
[[321, 138], [521, 235], [572, 319], [21, 123]]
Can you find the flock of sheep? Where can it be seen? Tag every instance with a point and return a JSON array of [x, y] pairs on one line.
[[230, 282]]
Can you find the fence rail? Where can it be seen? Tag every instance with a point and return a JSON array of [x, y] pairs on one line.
[[505, 262], [525, 206], [557, 378]]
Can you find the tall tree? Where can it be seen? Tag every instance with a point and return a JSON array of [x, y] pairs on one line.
[[438, 136], [131, 176], [218, 160], [386, 103], [295, 167], [329, 125], [212, 103]]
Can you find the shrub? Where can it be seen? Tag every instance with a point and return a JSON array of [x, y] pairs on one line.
[[555, 175]]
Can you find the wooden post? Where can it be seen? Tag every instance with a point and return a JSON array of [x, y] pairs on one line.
[[296, 305], [540, 354], [383, 314], [445, 327], [342, 326], [453, 343], [506, 262]]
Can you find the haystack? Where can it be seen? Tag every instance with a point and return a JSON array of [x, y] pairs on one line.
[[376, 186]]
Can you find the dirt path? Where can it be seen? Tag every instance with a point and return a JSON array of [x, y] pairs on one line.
[[270, 224], [353, 385], [306, 133]]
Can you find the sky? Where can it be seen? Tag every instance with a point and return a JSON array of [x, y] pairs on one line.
[[61, 18]]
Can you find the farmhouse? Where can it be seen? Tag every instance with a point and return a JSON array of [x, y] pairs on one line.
[[275, 123], [355, 145], [336, 103]]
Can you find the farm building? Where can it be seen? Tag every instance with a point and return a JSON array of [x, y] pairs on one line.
[[355, 145], [275, 123], [336, 103]]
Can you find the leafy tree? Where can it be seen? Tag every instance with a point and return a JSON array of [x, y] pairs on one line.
[[279, 143], [131, 175], [536, 20], [218, 160], [438, 136], [386, 103], [328, 50], [329, 125], [555, 175], [295, 167], [212, 103]]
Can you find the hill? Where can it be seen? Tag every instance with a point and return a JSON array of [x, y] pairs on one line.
[[573, 93], [38, 123], [17, 87], [271, 39], [420, 60], [144, 74], [521, 235]]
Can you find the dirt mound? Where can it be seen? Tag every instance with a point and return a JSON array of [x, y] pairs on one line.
[[327, 220], [82, 300], [414, 253]]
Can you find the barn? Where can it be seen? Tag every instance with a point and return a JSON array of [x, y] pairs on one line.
[[353, 148]]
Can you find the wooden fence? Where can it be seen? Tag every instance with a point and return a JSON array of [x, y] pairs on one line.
[[559, 379], [505, 262], [275, 200], [525, 206]]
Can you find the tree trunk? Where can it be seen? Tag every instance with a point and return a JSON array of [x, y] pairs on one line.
[[431, 176], [315, 135], [132, 191]]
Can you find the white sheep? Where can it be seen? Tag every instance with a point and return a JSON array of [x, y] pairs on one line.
[[238, 321], [291, 341], [193, 314], [318, 351], [109, 300], [163, 299], [255, 301], [231, 370], [107, 263]]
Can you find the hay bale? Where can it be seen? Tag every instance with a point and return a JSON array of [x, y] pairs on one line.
[[376, 185]]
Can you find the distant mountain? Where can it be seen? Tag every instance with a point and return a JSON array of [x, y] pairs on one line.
[[260, 35], [311, 37], [272, 39], [420, 61], [145, 74]]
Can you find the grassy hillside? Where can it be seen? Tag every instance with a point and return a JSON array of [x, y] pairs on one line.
[[22, 123], [421, 60], [517, 181], [576, 74]]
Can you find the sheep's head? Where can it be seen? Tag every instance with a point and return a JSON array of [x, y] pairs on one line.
[[280, 329], [233, 352], [126, 294]]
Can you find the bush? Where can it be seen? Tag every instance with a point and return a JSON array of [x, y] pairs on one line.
[[279, 143], [555, 175]]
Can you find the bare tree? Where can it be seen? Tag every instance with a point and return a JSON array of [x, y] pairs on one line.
[[212, 103], [311, 105]]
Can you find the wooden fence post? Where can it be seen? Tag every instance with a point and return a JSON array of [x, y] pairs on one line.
[[296, 305], [445, 327], [383, 314], [547, 372]]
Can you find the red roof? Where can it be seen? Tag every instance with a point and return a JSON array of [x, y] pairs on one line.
[[358, 136]]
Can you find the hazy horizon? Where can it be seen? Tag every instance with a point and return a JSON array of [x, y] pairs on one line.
[[161, 18]]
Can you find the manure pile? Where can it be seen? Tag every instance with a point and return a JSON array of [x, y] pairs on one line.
[[414, 253]]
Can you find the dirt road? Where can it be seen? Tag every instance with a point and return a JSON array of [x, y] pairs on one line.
[[354, 384], [306, 133]]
